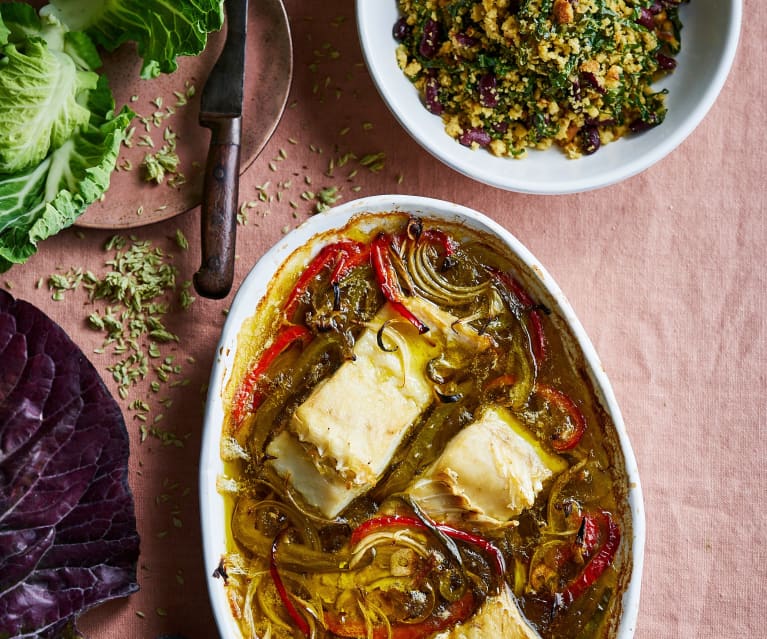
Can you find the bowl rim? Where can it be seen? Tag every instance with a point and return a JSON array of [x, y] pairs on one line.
[[449, 152], [244, 305]]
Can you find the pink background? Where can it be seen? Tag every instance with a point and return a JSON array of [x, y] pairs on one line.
[[666, 271]]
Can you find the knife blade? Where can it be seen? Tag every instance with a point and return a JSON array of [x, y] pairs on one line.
[[221, 112]]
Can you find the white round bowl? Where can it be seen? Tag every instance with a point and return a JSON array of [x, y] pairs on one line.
[[252, 290], [709, 38]]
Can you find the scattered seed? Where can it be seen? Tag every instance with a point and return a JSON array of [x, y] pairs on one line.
[[181, 240]]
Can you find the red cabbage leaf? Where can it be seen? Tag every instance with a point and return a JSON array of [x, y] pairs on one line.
[[68, 537]]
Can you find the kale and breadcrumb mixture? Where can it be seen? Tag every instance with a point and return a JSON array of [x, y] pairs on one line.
[[511, 75]]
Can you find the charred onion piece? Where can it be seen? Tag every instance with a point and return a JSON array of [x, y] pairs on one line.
[[449, 398], [414, 228], [379, 339]]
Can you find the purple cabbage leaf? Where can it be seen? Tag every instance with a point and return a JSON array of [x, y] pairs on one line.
[[68, 538]]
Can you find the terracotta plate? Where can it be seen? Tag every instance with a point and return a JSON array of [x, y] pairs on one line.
[[131, 200]]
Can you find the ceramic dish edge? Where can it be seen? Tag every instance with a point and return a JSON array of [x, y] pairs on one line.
[[253, 288], [549, 172]]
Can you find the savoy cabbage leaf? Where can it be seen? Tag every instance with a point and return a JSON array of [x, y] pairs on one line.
[[161, 29], [47, 112], [59, 133]]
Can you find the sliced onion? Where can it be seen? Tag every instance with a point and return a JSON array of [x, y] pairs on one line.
[[431, 284], [248, 602], [309, 533], [265, 605], [397, 537], [465, 292]]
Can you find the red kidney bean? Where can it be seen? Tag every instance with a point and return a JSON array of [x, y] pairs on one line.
[[590, 141], [401, 30], [596, 122], [639, 126], [646, 18], [479, 136], [487, 85], [575, 91], [429, 44], [465, 40], [590, 79], [664, 62], [431, 96]]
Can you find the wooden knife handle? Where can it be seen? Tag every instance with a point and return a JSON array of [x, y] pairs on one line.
[[218, 215]]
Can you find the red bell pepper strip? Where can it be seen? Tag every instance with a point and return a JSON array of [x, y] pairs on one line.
[[387, 279], [342, 256], [384, 269], [540, 345], [456, 612], [538, 334], [564, 403], [385, 521], [435, 236], [302, 624], [597, 564], [585, 543], [351, 254], [245, 399], [588, 534], [405, 312], [484, 544], [416, 232]]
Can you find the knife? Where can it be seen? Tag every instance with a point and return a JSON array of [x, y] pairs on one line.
[[221, 112]]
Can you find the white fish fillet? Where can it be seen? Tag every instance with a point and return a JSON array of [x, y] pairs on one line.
[[343, 437], [488, 473]]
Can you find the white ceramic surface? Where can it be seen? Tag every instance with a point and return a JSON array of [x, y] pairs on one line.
[[709, 39], [252, 290]]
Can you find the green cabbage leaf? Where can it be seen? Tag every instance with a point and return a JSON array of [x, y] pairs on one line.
[[59, 134], [161, 29]]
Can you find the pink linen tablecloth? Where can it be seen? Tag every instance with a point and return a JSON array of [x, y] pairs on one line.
[[666, 271]]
